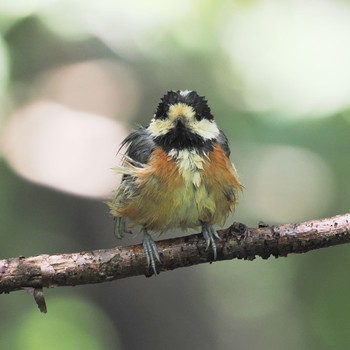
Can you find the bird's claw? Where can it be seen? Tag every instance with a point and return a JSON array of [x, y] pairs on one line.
[[209, 234], [151, 252], [120, 227]]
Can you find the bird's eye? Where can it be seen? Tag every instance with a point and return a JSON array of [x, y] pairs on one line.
[[199, 116]]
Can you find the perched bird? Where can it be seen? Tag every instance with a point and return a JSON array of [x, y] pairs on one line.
[[177, 174]]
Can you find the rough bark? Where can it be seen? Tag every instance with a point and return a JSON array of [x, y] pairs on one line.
[[99, 266]]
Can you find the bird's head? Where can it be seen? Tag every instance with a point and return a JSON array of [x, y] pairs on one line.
[[183, 120]]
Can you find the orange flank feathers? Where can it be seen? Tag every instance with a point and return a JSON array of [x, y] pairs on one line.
[[165, 198]]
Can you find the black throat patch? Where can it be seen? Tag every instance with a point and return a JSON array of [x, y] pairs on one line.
[[181, 138]]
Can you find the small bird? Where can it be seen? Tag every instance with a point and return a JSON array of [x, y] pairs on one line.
[[176, 174]]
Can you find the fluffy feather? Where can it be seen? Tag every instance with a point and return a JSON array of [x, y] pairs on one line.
[[177, 172]]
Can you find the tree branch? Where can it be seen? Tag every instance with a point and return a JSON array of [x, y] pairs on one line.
[[238, 241]]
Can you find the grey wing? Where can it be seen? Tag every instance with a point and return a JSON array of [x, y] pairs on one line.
[[139, 147], [223, 142]]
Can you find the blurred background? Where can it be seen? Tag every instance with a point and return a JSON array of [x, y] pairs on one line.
[[76, 76]]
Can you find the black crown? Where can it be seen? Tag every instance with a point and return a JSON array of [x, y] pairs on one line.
[[198, 103]]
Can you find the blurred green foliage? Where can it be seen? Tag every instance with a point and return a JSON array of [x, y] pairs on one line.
[[73, 323]]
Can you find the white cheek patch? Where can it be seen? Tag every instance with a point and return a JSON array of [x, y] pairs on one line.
[[205, 128], [159, 127]]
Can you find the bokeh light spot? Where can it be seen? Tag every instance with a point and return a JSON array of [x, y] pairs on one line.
[[99, 86], [285, 183], [63, 148], [293, 57], [71, 323]]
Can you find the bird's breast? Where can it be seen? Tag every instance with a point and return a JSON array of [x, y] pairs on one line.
[[190, 166], [182, 189]]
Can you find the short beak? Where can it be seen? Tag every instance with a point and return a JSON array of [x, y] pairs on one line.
[[180, 121]]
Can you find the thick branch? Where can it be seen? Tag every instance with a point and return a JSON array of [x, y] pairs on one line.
[[238, 241]]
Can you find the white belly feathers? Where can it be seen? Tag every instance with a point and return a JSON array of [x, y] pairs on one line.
[[190, 164]]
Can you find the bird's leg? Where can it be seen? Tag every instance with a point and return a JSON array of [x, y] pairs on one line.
[[120, 227], [150, 249], [209, 234]]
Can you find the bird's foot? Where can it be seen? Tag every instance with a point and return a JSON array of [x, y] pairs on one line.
[[209, 234], [150, 249], [120, 227]]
